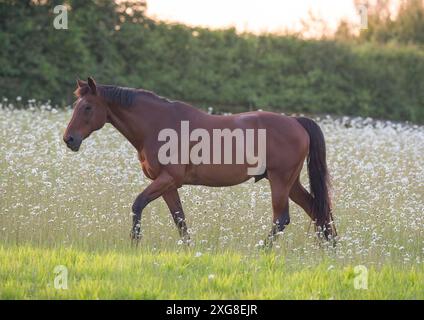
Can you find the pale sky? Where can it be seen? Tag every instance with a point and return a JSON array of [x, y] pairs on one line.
[[252, 15]]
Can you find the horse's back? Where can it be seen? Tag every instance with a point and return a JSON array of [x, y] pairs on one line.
[[287, 141]]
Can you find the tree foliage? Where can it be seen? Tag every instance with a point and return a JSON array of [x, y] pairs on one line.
[[379, 73]]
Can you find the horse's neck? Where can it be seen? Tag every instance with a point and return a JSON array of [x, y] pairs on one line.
[[139, 121], [128, 124]]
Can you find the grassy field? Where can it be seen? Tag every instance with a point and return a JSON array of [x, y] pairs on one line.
[[62, 208], [27, 273]]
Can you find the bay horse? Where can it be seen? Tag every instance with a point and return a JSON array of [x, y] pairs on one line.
[[139, 115]]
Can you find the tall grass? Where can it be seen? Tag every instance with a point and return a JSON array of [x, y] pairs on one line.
[[52, 198]]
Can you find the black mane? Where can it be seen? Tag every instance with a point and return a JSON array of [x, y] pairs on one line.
[[125, 97], [119, 95]]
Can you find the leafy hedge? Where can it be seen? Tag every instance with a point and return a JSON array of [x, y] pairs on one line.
[[229, 71]]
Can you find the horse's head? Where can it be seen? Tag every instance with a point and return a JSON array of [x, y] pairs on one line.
[[90, 114]]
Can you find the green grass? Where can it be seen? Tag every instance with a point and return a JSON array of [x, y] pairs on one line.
[[28, 273]]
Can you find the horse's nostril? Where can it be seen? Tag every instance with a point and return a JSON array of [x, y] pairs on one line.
[[68, 139]]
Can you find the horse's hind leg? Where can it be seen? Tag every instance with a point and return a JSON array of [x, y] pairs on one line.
[[302, 198], [173, 201], [280, 205]]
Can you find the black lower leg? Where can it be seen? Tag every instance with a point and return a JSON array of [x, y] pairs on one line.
[[282, 221], [279, 225], [136, 228], [137, 209], [179, 220]]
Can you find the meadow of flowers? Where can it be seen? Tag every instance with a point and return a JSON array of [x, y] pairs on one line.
[[52, 198]]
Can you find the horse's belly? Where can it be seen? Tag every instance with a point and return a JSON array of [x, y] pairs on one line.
[[216, 175]]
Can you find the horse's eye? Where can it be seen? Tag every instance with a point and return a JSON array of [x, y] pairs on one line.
[[87, 108]]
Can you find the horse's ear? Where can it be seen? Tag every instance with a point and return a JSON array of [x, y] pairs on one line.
[[92, 85], [81, 83]]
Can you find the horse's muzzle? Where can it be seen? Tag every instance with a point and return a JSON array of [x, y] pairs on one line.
[[72, 142]]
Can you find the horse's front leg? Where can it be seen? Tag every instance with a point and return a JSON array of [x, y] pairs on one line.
[[173, 201], [163, 183]]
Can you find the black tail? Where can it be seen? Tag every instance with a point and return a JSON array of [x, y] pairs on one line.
[[319, 179]]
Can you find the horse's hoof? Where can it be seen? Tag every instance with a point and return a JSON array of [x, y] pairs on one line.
[[135, 242], [266, 245], [332, 241], [135, 238], [188, 242]]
